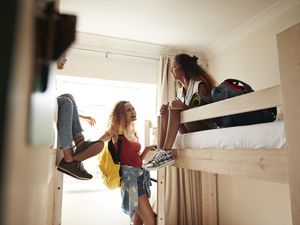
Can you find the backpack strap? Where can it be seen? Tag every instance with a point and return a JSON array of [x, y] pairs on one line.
[[116, 154]]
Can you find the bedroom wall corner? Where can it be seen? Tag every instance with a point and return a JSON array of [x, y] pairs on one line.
[[254, 60]]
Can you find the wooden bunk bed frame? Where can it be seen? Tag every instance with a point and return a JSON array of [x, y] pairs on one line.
[[266, 164]]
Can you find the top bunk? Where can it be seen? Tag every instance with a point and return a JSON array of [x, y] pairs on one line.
[[270, 164], [255, 151], [275, 164]]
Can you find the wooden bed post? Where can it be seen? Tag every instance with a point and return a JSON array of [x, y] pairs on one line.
[[160, 186], [209, 198], [288, 43], [161, 196], [57, 200]]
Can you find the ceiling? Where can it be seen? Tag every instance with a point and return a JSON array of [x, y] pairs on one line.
[[195, 25]]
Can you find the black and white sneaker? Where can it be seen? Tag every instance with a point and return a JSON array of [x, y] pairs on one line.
[[152, 158], [161, 159], [74, 169]]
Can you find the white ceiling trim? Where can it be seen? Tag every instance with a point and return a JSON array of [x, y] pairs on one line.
[[116, 45], [112, 45], [276, 10]]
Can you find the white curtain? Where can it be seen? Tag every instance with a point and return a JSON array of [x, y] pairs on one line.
[[182, 186], [166, 84]]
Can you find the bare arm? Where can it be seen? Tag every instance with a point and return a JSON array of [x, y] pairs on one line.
[[110, 133], [90, 120]]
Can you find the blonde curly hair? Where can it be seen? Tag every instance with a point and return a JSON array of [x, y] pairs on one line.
[[117, 116]]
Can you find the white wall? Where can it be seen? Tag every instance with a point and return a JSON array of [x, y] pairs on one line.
[[99, 206], [253, 59], [94, 64]]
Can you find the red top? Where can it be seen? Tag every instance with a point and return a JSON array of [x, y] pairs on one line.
[[130, 153]]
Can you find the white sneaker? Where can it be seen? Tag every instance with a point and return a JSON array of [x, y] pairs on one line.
[[161, 159], [152, 158]]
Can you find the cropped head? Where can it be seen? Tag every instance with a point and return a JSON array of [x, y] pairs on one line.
[[122, 115], [188, 67], [61, 62]]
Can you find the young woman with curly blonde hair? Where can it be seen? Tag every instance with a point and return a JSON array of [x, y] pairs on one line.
[[135, 181]]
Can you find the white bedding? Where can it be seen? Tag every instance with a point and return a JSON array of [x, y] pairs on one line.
[[265, 135]]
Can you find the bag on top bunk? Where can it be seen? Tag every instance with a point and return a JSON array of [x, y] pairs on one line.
[[230, 88]]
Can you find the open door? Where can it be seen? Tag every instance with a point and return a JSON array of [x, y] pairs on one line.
[[33, 37]]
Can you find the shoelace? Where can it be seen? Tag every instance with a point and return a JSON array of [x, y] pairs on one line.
[[157, 159], [164, 155], [153, 157]]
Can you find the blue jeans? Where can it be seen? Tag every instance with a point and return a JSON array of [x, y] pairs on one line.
[[68, 124]]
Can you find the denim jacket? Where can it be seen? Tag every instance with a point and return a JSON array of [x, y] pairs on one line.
[[129, 187]]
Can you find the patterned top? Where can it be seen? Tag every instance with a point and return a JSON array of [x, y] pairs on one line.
[[129, 187], [192, 88], [191, 97]]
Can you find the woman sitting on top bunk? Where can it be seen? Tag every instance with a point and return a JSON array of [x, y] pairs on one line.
[[194, 89]]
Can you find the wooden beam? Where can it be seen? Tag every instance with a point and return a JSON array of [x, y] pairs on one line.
[[209, 198], [58, 195], [161, 186], [261, 99], [268, 164], [288, 43], [161, 196]]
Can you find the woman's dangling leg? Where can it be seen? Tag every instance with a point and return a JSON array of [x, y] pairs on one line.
[[172, 128], [164, 156], [68, 164], [137, 220], [84, 149], [64, 126], [145, 211], [163, 129], [76, 125]]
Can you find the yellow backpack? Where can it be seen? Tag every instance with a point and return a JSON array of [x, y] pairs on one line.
[[109, 163]]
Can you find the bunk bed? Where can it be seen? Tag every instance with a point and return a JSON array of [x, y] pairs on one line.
[[279, 163]]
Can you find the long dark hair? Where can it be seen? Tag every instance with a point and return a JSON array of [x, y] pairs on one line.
[[191, 68]]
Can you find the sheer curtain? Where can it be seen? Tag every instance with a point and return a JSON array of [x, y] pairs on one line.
[[183, 203]]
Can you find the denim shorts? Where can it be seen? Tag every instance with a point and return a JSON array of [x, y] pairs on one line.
[[141, 188]]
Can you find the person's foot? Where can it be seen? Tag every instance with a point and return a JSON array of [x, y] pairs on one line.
[[152, 158], [84, 146], [161, 159], [74, 169]]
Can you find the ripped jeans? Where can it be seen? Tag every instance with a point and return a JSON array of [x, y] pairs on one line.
[[68, 124]]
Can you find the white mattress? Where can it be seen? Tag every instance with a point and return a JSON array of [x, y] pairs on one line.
[[265, 135]]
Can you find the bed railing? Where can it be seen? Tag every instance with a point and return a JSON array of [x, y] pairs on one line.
[[262, 99]]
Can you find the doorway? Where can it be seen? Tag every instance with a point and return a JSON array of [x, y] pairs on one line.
[[90, 202]]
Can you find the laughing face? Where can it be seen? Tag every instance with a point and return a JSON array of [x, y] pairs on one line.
[[177, 71], [130, 112]]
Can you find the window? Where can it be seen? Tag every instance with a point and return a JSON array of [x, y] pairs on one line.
[[96, 97]]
